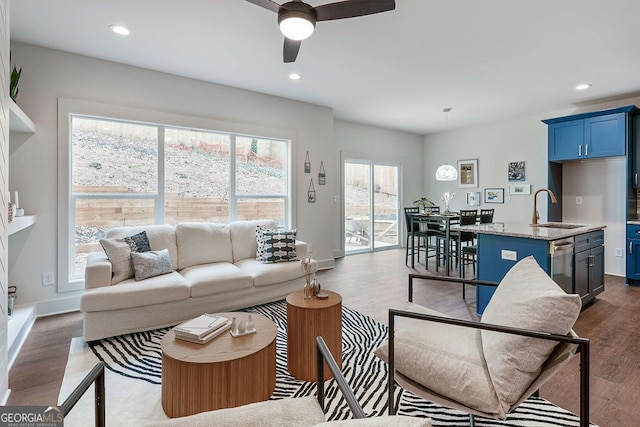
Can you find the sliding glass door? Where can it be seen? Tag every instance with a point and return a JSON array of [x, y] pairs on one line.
[[371, 205]]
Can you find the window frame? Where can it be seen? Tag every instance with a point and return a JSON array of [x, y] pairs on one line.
[[67, 108]]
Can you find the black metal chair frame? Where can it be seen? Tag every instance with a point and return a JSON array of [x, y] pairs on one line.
[[581, 343], [95, 375]]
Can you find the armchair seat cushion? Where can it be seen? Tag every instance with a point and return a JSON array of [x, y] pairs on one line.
[[447, 358]]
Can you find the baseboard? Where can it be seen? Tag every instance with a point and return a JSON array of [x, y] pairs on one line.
[[326, 264], [58, 306]]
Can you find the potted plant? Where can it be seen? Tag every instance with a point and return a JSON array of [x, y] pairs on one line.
[[13, 85], [423, 202]]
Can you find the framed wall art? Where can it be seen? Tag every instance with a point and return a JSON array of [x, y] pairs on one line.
[[473, 198], [468, 173], [494, 195], [322, 176], [516, 171], [520, 189], [307, 164], [311, 195]]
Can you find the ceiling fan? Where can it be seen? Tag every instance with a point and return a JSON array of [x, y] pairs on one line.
[[298, 19]]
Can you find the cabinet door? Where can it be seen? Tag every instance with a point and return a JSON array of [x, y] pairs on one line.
[[596, 276], [565, 140], [605, 136], [581, 278], [635, 179], [633, 259]]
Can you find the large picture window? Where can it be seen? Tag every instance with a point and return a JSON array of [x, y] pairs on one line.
[[124, 173]]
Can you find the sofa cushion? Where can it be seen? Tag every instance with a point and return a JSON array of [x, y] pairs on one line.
[[279, 246], [130, 294], [526, 298], [160, 237], [294, 412], [445, 359], [215, 278], [151, 264], [243, 237], [269, 274], [202, 243], [119, 253]]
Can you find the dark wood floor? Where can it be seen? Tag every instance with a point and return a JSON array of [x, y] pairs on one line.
[[371, 283]]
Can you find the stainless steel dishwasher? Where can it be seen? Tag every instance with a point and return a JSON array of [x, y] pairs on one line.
[[562, 263]]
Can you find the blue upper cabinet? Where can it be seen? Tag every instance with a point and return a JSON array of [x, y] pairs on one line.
[[566, 139], [589, 135]]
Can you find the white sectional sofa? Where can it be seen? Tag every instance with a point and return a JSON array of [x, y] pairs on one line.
[[215, 269]]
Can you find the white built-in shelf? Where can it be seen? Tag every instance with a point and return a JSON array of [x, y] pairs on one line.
[[18, 327], [20, 223], [19, 122]]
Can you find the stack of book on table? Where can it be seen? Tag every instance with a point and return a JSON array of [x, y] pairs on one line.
[[202, 329]]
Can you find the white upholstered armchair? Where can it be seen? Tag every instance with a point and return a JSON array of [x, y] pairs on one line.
[[490, 367]]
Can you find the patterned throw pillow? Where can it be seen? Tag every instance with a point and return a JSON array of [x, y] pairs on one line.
[[279, 246], [151, 263], [138, 242], [260, 240]]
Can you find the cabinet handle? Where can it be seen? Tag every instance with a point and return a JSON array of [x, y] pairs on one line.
[[580, 150], [586, 150], [630, 248], [635, 179]]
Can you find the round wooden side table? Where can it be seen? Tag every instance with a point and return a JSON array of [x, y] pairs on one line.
[[306, 319], [222, 373]]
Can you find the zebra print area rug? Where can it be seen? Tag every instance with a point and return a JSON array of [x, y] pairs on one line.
[[138, 356]]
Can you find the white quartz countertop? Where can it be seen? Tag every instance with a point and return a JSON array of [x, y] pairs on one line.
[[633, 222], [520, 229]]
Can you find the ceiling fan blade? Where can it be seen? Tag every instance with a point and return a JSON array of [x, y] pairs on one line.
[[352, 8], [291, 48], [267, 4]]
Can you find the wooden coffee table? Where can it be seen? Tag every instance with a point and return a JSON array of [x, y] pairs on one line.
[[306, 319], [223, 373]]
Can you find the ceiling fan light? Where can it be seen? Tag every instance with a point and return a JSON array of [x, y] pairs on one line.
[[446, 173], [296, 27]]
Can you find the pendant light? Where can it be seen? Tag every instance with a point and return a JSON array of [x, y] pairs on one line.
[[446, 172]]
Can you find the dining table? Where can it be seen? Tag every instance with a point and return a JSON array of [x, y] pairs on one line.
[[443, 221]]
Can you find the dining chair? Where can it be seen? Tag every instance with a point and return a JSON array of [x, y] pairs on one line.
[[469, 253], [418, 234]]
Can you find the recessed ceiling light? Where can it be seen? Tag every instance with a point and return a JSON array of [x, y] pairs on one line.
[[583, 86], [294, 76], [119, 29]]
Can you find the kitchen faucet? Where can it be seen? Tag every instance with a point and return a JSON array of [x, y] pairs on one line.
[[536, 215]]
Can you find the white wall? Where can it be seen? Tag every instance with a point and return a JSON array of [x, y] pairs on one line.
[[494, 145], [371, 143], [601, 183], [48, 75]]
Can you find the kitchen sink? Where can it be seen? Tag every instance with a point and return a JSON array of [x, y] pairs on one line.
[[558, 225]]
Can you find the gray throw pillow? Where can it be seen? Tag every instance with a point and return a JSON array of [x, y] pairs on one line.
[[150, 264]]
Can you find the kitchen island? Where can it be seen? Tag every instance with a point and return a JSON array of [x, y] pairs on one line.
[[572, 254]]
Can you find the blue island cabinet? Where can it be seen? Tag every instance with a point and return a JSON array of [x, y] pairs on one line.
[[498, 254]]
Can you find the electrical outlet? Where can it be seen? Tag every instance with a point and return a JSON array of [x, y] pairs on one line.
[[509, 255], [47, 279], [619, 252], [578, 200], [309, 247]]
